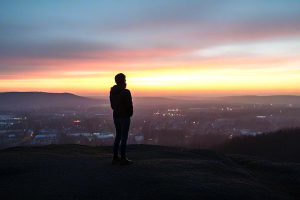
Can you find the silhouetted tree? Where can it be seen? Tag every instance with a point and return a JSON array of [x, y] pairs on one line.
[[279, 145]]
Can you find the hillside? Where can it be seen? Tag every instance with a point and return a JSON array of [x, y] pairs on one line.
[[43, 98], [83, 172]]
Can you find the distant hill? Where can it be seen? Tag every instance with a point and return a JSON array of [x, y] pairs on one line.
[[43, 98], [275, 100], [278, 99], [83, 172], [156, 101]]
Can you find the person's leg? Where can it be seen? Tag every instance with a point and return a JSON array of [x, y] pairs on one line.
[[124, 130], [118, 137]]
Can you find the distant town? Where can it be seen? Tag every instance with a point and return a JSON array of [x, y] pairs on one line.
[[188, 125]]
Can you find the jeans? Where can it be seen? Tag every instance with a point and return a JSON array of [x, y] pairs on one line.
[[122, 127]]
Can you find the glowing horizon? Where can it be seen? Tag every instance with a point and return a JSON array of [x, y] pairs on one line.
[[168, 48]]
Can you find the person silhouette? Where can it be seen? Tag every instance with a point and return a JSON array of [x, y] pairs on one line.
[[121, 104]]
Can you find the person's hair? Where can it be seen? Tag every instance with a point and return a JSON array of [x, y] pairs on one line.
[[120, 78]]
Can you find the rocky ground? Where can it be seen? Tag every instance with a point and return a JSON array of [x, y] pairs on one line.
[[83, 172]]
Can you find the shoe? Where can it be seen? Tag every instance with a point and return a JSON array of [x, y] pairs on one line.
[[116, 160], [125, 161]]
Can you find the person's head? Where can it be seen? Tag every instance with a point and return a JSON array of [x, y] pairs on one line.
[[120, 79]]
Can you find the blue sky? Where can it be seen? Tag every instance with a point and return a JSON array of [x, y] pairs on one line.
[[44, 38]]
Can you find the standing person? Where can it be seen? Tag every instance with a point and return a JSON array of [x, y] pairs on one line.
[[121, 103]]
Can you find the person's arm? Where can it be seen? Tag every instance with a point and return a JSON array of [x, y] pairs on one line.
[[111, 105], [128, 103]]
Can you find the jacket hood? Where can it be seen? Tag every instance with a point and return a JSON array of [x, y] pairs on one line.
[[116, 89]]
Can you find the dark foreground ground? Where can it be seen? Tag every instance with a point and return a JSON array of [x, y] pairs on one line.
[[82, 172]]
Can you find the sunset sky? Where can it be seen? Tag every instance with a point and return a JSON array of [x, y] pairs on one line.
[[164, 47]]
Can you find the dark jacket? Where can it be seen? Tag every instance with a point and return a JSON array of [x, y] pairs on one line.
[[121, 101]]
